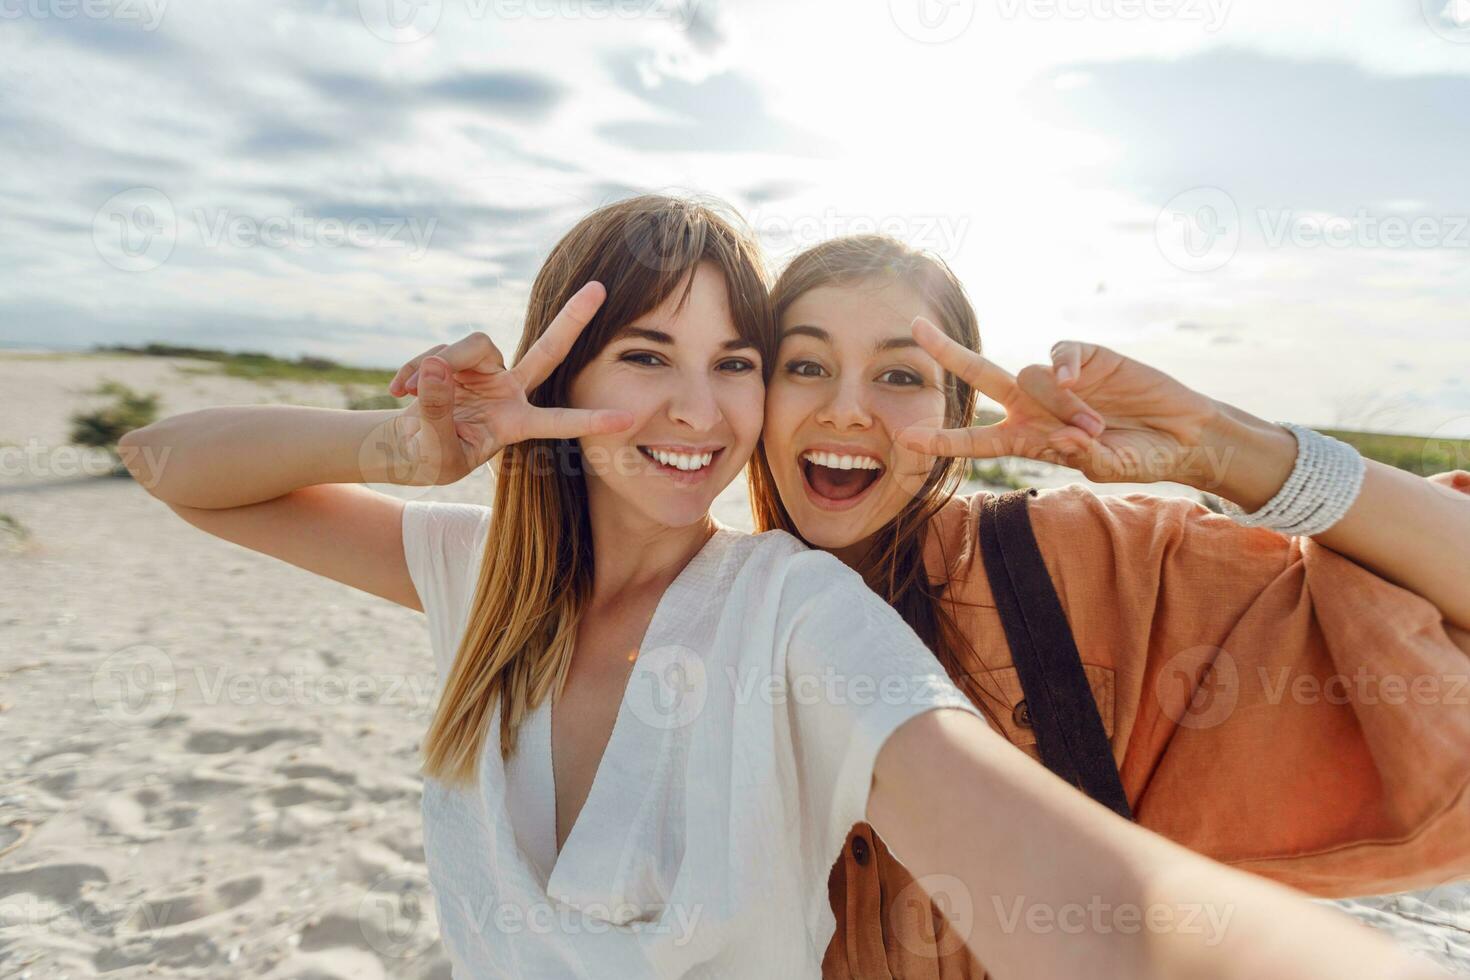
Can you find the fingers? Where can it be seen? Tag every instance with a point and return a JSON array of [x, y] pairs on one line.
[[573, 423], [436, 406], [979, 442], [549, 350], [474, 352], [987, 377], [1040, 383], [1067, 357], [399, 385]]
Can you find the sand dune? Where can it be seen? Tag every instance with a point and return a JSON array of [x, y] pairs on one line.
[[208, 758]]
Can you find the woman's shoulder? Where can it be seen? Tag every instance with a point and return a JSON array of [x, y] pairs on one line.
[[778, 558]]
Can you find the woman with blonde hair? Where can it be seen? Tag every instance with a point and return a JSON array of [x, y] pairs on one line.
[[653, 733], [1284, 691]]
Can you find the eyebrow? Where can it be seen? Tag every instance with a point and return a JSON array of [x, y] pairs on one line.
[[807, 330], [659, 337]]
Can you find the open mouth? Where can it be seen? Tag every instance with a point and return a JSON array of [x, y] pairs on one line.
[[686, 464], [838, 480]]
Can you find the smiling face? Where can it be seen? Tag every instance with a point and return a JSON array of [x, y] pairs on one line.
[[848, 378], [695, 390]]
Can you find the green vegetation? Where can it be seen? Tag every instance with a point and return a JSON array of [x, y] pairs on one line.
[[13, 535], [263, 367], [103, 427], [373, 402], [1423, 455]]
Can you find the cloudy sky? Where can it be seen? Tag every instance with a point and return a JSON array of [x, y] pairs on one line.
[[1268, 199]]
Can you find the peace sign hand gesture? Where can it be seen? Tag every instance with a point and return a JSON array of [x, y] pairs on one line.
[[1111, 417], [469, 406]]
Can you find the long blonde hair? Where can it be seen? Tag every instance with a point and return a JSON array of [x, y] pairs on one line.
[[894, 566], [536, 572]]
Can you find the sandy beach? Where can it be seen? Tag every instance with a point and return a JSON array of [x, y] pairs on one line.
[[208, 758]]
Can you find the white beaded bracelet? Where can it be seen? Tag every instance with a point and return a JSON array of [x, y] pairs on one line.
[[1323, 485]]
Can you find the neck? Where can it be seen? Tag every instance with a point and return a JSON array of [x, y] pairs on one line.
[[853, 555], [631, 552]]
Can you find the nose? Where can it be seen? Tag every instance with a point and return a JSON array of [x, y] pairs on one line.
[[845, 409], [694, 404]]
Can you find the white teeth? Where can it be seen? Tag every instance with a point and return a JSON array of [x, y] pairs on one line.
[[833, 461], [682, 461]]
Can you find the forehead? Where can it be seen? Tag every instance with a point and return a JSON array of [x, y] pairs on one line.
[[865, 308], [705, 310]]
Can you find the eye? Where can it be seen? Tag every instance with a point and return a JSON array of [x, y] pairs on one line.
[[737, 365], [900, 376], [643, 357], [804, 369]]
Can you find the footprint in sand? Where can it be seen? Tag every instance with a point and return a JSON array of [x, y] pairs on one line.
[[218, 741], [164, 912]]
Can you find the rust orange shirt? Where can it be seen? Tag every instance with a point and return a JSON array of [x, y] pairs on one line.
[[1270, 704]]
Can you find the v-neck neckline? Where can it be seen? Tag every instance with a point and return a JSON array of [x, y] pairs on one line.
[[569, 869]]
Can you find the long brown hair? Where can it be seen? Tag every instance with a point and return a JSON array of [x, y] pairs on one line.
[[536, 573], [894, 566]]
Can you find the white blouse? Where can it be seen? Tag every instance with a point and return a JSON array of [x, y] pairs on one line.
[[742, 754]]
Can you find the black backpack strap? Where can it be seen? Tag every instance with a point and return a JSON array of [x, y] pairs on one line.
[[1070, 736]]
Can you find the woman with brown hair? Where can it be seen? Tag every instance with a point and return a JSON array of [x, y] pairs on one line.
[[630, 771], [1242, 679]]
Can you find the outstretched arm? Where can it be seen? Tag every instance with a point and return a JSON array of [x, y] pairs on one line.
[[1061, 886], [282, 479]]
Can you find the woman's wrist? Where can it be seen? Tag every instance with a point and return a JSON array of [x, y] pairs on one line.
[[1243, 458]]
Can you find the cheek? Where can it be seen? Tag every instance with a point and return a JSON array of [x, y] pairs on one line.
[[744, 408], [786, 406]]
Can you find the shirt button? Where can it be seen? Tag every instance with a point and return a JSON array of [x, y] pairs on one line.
[[860, 849], [1021, 715]]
